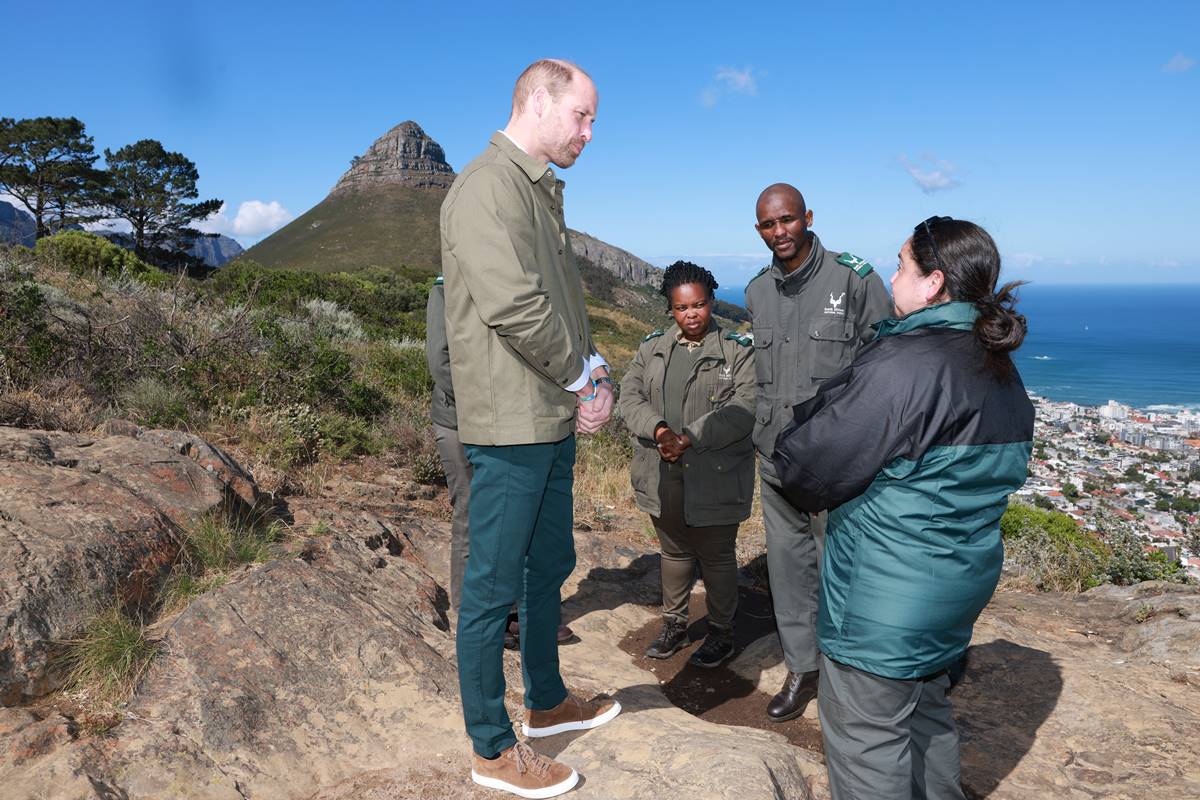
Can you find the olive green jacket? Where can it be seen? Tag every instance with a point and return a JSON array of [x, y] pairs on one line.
[[516, 324], [718, 469]]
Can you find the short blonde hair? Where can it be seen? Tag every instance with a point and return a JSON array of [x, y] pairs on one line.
[[553, 73]]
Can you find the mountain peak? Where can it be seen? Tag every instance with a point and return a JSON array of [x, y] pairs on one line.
[[403, 155]]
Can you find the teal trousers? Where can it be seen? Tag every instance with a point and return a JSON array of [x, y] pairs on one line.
[[521, 550]]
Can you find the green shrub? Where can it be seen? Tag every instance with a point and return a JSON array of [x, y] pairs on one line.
[[1049, 550], [399, 365], [29, 349], [287, 436], [1132, 563], [343, 436], [386, 303], [88, 254], [152, 402]]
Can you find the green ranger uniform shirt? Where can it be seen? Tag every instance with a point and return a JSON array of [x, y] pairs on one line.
[[807, 326], [716, 404]]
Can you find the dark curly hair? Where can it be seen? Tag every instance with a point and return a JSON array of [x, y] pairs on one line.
[[970, 262], [682, 272]]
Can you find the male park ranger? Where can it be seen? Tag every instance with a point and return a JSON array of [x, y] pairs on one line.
[[812, 310], [526, 376]]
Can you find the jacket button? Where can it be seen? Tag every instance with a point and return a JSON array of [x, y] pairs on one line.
[[545, 363]]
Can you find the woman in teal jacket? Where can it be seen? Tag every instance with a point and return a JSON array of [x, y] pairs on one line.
[[915, 448]]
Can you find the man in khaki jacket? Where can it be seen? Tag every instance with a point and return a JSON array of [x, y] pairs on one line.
[[526, 376]]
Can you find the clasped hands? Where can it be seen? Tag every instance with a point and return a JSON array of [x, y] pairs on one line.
[[671, 444], [595, 412]]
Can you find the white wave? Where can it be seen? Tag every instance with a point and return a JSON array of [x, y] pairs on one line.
[[1042, 358]]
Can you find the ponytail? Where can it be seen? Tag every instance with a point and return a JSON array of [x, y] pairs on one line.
[[1000, 329]]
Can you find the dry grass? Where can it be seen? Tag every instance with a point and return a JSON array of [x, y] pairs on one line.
[[603, 494], [51, 406]]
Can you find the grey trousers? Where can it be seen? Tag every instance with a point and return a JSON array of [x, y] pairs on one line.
[[887, 739], [714, 546], [458, 481], [795, 541]]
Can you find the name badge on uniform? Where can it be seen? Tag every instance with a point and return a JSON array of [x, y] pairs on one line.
[[725, 373]]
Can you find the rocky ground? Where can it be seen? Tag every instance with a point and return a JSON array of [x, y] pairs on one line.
[[328, 673]]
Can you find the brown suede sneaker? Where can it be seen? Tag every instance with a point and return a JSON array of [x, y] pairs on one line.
[[571, 714], [525, 772]]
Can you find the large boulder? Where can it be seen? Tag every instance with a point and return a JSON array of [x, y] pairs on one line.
[[88, 520]]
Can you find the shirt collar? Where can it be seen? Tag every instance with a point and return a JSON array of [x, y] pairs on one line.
[[710, 345], [814, 257], [690, 345], [534, 169]]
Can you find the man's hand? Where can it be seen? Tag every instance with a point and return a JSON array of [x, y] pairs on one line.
[[595, 412]]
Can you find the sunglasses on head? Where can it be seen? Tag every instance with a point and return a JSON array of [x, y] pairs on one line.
[[937, 259]]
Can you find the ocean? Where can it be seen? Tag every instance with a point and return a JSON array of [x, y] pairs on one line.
[[1137, 345]]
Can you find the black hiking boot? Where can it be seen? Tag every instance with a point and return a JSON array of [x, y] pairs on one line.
[[716, 650], [670, 639]]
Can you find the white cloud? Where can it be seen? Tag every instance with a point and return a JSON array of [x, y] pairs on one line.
[[931, 174], [254, 219], [1178, 63], [1023, 260], [738, 80], [730, 80]]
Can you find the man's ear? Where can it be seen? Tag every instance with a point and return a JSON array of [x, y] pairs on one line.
[[808, 218], [539, 101]]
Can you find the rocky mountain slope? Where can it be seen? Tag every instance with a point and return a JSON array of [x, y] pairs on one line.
[[384, 212], [328, 673], [16, 225]]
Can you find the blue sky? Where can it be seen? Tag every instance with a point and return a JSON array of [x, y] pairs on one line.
[[1070, 130]]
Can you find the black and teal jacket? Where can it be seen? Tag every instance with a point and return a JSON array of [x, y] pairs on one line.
[[916, 448]]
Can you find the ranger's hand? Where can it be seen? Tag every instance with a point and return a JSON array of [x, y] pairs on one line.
[[672, 447]]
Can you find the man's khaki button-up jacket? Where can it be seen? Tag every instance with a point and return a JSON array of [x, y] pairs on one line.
[[516, 323]]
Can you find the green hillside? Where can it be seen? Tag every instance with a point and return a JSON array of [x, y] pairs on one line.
[[391, 226]]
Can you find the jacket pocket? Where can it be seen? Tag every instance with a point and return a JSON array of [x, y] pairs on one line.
[[764, 440], [832, 346], [733, 475], [643, 471], [762, 356]]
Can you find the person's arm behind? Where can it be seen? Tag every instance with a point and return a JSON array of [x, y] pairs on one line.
[[437, 349]]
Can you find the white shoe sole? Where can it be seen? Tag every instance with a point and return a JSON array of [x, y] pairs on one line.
[[562, 787], [582, 725]]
